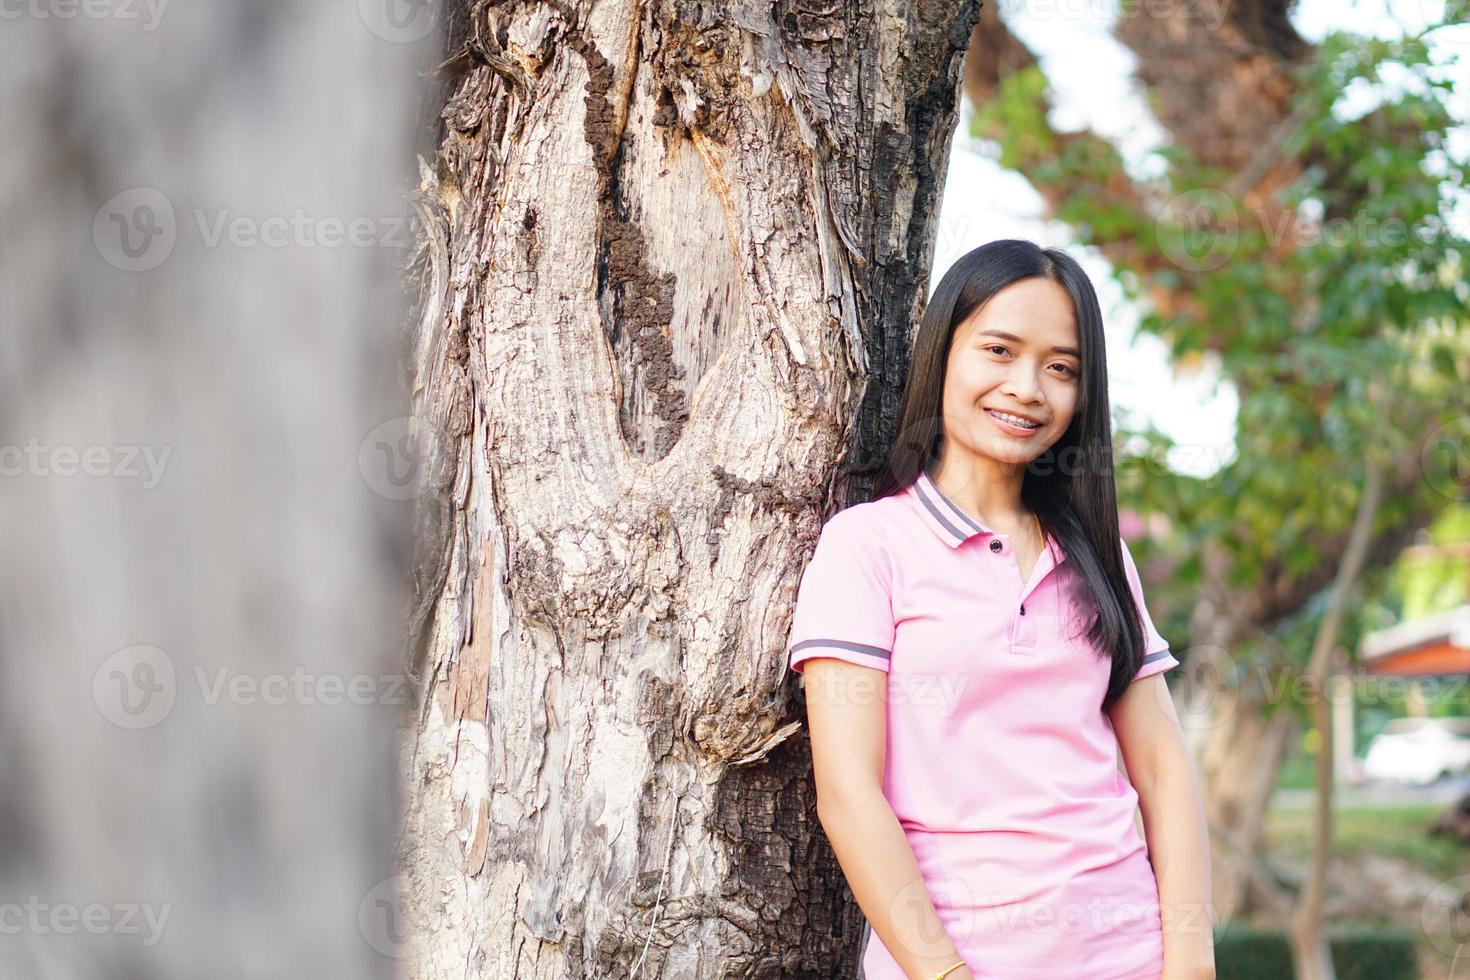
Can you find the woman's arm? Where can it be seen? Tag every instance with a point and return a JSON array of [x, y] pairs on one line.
[[847, 715], [1161, 770]]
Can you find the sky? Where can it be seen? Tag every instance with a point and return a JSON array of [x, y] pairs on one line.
[[1090, 76]]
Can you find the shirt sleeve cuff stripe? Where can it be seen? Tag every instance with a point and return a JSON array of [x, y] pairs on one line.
[[871, 651]]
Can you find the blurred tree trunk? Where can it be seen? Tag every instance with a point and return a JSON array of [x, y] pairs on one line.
[[1310, 948], [199, 636], [672, 248]]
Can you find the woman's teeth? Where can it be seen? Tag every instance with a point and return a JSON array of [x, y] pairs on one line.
[[1014, 419]]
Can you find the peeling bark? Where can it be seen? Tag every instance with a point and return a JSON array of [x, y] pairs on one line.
[[677, 253]]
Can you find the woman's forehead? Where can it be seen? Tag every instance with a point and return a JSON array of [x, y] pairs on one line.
[[1032, 311]]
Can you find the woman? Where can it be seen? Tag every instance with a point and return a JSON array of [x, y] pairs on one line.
[[976, 651]]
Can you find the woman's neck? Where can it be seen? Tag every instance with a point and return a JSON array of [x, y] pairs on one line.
[[984, 488]]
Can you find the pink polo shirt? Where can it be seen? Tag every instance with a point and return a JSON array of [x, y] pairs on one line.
[[1001, 766]]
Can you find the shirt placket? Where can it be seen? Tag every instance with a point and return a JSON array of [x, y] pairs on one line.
[[1022, 630]]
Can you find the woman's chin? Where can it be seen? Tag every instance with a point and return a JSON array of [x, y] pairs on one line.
[[1011, 454]]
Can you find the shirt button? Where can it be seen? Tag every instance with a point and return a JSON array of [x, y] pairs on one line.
[[995, 544]]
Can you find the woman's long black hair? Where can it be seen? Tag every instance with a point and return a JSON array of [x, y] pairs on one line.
[[1069, 487]]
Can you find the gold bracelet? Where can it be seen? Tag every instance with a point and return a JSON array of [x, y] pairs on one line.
[[948, 970]]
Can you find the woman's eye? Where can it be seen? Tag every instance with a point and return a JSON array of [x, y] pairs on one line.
[[1003, 350]]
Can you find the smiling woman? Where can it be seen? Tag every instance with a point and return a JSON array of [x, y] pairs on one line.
[[977, 653], [1011, 389]]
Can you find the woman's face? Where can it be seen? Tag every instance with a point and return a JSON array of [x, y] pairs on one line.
[[1018, 353]]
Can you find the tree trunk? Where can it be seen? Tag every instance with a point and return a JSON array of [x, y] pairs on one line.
[[1242, 755], [1310, 948], [200, 626], [671, 246], [1239, 743]]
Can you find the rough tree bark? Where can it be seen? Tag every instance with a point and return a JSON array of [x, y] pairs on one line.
[[672, 248]]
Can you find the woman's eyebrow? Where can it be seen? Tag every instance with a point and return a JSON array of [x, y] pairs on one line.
[[1012, 337]]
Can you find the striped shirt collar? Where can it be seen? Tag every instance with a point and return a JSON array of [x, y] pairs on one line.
[[953, 526]]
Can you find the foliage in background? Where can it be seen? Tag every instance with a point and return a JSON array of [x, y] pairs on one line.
[[1244, 952]]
